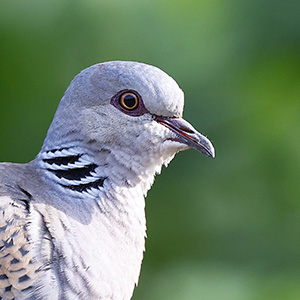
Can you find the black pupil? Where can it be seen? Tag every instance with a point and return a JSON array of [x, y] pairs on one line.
[[129, 101]]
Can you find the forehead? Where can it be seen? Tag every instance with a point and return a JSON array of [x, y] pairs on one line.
[[160, 92]]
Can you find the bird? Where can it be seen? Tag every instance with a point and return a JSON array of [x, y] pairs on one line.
[[72, 220]]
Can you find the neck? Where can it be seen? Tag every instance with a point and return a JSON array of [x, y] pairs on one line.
[[80, 172], [114, 196]]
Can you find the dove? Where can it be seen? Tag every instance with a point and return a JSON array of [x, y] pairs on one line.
[[72, 221]]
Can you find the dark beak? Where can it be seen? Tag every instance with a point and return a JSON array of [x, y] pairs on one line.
[[188, 135]]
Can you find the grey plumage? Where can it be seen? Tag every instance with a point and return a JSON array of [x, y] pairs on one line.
[[72, 221]]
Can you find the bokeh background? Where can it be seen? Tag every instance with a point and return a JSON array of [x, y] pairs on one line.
[[227, 228]]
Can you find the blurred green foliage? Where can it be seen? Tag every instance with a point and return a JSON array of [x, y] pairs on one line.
[[217, 229]]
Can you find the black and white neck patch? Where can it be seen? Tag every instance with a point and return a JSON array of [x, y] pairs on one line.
[[73, 169]]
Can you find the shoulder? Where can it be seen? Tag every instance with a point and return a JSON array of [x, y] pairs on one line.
[[12, 178], [16, 265]]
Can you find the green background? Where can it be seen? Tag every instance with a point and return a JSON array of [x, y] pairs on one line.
[[226, 228]]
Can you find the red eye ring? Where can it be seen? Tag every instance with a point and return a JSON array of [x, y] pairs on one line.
[[129, 100], [134, 107]]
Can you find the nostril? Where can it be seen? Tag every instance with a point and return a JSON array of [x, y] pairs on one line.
[[186, 129], [184, 126]]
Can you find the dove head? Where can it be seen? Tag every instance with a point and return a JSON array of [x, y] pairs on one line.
[[129, 109]]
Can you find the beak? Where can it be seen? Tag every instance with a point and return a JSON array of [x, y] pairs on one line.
[[188, 135]]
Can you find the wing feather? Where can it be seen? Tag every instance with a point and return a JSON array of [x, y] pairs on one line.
[[18, 272]]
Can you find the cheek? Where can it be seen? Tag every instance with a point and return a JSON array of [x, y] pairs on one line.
[[154, 134], [158, 140], [99, 126]]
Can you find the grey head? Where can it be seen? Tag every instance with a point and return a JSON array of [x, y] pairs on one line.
[[125, 104]]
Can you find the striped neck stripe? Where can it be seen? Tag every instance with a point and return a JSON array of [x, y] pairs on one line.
[[73, 169]]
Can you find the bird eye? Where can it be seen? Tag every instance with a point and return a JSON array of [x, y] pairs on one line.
[[129, 100]]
